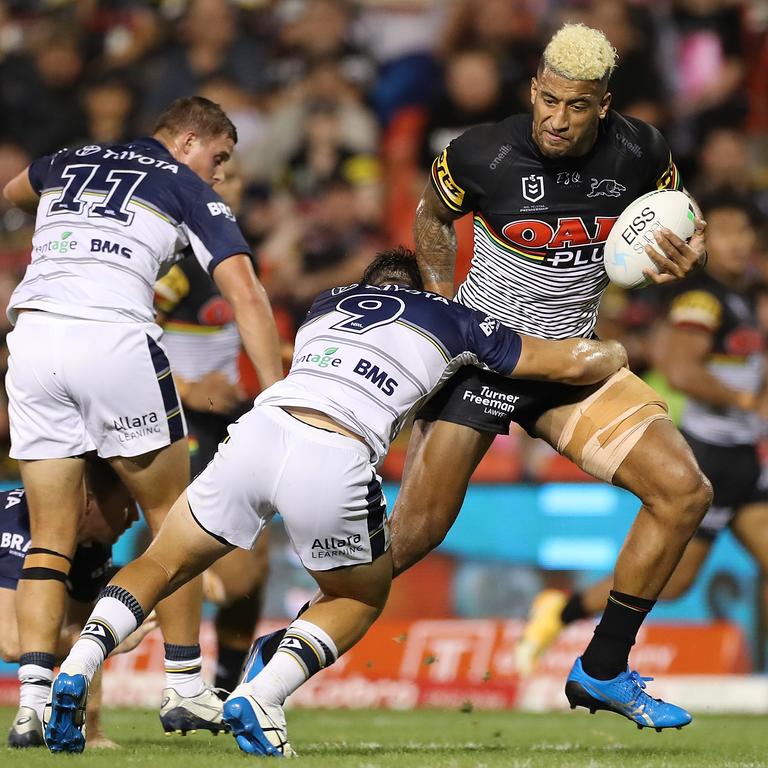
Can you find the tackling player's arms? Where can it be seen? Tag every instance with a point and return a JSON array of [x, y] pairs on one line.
[[19, 192], [239, 285], [435, 240], [571, 361]]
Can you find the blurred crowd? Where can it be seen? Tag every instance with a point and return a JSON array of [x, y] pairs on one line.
[[341, 105]]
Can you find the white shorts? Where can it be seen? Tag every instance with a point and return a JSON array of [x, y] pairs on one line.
[[81, 385], [322, 484]]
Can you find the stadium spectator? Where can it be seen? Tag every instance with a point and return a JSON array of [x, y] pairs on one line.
[[472, 94], [109, 103], [208, 43], [505, 28], [636, 83], [708, 68], [324, 243], [324, 84], [313, 31], [39, 92]]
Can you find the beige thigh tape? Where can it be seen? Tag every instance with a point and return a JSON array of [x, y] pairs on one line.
[[605, 427]]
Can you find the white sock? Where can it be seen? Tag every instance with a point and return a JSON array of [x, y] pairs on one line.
[[183, 669], [304, 651], [35, 685], [115, 616]]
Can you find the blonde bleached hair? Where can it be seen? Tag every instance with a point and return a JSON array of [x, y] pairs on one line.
[[579, 52]]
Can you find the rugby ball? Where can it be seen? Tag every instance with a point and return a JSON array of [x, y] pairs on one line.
[[624, 253]]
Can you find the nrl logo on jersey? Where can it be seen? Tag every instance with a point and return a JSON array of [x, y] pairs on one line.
[[533, 187]]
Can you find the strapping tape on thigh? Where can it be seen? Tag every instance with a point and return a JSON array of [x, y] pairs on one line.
[[605, 427], [45, 564]]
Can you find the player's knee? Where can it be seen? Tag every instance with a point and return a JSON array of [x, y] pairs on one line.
[[9, 648], [683, 497]]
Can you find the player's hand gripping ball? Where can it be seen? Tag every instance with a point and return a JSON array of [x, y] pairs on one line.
[[624, 253]]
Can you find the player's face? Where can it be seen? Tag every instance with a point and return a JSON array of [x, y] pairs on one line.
[[207, 157], [108, 516], [566, 114]]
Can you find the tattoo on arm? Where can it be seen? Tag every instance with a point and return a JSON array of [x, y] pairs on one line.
[[435, 240]]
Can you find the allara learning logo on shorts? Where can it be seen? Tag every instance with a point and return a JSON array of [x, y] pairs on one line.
[[131, 427]]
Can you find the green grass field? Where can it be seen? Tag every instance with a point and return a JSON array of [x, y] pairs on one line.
[[439, 739]]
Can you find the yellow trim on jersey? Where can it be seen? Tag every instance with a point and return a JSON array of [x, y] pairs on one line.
[[429, 338], [486, 227], [726, 359], [670, 179], [176, 326], [450, 192]]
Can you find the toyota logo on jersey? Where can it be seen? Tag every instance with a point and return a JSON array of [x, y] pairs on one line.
[[574, 242]]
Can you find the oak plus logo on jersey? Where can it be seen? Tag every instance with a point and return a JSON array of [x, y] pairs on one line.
[[573, 243], [130, 427], [533, 187], [325, 359], [333, 546], [61, 245]]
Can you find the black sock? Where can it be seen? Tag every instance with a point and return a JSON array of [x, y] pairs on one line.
[[608, 651], [573, 610], [229, 665]]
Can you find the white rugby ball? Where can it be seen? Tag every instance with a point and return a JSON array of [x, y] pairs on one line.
[[624, 253]]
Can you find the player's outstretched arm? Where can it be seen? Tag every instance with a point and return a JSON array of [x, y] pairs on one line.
[[571, 361], [238, 284], [435, 240], [20, 192]]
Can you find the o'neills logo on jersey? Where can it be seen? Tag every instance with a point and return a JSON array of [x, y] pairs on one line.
[[572, 243]]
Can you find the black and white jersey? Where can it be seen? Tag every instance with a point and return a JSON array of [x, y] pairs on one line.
[[110, 219], [736, 357], [540, 224], [200, 333], [369, 356]]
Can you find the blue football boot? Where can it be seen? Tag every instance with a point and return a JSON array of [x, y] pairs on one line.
[[64, 714], [259, 728], [262, 650], [625, 695]]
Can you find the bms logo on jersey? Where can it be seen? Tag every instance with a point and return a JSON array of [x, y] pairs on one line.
[[572, 243]]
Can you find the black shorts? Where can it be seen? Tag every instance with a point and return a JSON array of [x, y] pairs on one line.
[[490, 402], [206, 431], [734, 472]]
